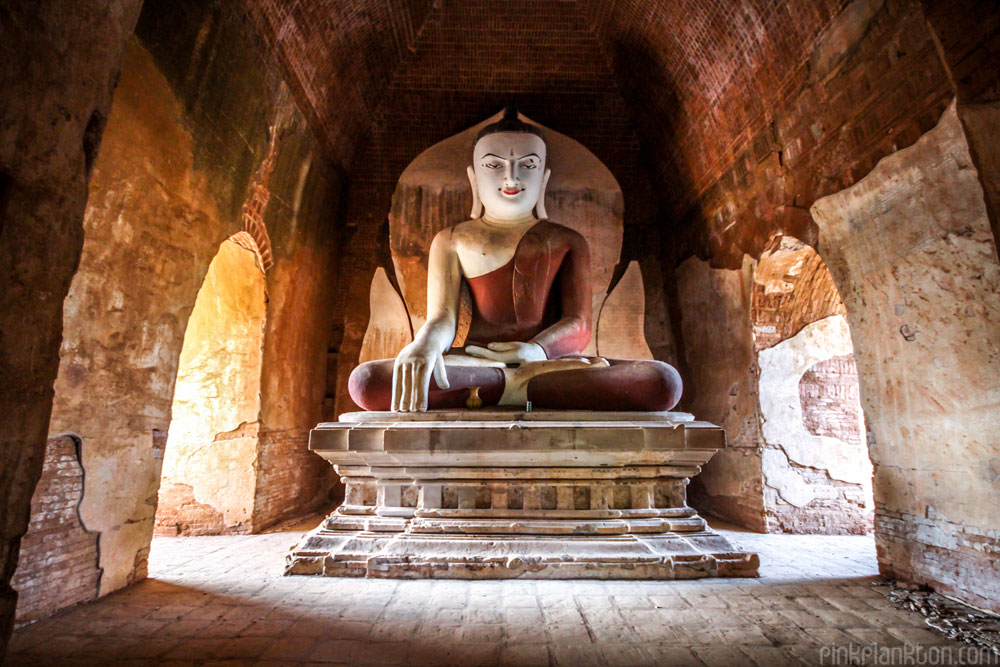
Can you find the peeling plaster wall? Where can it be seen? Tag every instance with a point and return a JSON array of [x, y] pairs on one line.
[[912, 252], [59, 62], [775, 475], [793, 292], [812, 483], [151, 229], [199, 109], [720, 386], [210, 464]]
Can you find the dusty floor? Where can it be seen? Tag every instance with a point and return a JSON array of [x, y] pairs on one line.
[[223, 599]]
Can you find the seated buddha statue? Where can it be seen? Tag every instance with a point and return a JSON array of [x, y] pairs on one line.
[[530, 282]]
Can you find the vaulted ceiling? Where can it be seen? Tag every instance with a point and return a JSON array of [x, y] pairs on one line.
[[674, 95]]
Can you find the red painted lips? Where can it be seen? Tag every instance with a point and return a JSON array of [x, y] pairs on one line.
[[511, 192]]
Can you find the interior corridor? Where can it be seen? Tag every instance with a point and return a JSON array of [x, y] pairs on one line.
[[223, 599]]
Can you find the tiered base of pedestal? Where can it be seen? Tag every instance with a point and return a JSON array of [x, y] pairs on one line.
[[505, 494]]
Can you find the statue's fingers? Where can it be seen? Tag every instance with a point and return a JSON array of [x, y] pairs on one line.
[[441, 373], [418, 389], [424, 386], [397, 389], [477, 351], [502, 347], [404, 399]]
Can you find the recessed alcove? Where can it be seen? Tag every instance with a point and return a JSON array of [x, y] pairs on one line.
[[815, 468], [209, 475]]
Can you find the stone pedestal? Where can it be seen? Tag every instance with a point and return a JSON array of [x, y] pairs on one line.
[[504, 493]]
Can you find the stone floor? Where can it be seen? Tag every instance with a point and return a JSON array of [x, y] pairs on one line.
[[222, 600]]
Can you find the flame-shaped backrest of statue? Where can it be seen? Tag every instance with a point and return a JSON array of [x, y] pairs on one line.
[[434, 193]]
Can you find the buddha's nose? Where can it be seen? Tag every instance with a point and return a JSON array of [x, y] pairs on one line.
[[509, 175]]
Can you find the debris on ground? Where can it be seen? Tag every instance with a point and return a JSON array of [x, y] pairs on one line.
[[952, 618]]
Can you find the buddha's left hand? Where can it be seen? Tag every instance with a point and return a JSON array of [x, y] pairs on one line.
[[509, 353]]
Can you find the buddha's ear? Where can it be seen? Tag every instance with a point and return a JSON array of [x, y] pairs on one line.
[[540, 212], [477, 205]]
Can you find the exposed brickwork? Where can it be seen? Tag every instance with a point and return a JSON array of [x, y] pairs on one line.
[[338, 58], [843, 509], [830, 402], [954, 558], [179, 513], [291, 479], [253, 209], [770, 104], [61, 567], [807, 293]]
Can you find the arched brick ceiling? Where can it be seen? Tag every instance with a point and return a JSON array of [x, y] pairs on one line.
[[338, 56], [474, 56], [702, 78], [721, 99]]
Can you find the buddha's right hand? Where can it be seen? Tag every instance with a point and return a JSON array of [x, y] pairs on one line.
[[411, 377]]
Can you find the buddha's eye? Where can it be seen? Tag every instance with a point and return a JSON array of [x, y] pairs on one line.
[[491, 165], [530, 166]]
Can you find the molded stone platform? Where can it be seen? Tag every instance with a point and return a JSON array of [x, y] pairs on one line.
[[503, 493]]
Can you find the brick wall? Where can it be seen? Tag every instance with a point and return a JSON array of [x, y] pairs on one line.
[[831, 405], [179, 513], [792, 288], [58, 565], [753, 110], [320, 46], [291, 480]]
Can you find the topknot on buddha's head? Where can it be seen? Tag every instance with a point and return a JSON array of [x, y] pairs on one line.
[[509, 123]]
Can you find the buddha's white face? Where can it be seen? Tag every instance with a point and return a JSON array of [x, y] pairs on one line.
[[509, 167]]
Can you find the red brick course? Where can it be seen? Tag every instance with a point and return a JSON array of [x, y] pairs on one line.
[[59, 555], [831, 405], [291, 480]]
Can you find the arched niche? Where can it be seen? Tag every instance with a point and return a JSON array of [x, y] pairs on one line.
[[209, 470], [816, 471], [434, 193]]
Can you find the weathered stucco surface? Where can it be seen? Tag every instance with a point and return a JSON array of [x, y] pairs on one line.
[[186, 166], [720, 385], [793, 292], [210, 451], [151, 229], [798, 466], [59, 62], [913, 255], [291, 479]]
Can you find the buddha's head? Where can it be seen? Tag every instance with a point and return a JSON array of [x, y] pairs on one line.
[[508, 172]]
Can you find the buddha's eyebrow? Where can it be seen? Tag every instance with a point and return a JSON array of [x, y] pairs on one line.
[[534, 155]]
